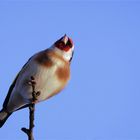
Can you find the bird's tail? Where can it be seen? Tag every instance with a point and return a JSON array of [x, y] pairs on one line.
[[3, 117]]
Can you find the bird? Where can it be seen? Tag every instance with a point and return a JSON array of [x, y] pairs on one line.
[[51, 70]]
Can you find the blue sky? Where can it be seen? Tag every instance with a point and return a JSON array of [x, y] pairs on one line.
[[102, 100]]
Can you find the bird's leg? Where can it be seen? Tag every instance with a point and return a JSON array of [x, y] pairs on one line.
[[35, 94]]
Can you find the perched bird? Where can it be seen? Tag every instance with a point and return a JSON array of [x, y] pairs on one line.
[[51, 70]]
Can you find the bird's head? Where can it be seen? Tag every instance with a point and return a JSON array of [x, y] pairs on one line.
[[65, 46]]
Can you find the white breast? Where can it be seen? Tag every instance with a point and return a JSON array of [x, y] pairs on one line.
[[46, 81]]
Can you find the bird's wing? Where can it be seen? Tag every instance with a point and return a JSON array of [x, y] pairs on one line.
[[12, 87]]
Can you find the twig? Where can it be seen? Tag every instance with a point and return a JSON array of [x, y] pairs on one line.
[[35, 94]]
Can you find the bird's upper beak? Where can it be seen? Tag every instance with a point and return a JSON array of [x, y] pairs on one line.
[[65, 39]]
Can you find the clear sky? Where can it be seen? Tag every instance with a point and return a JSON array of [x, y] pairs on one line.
[[102, 99]]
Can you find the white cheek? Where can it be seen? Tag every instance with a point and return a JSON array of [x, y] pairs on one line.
[[67, 56]]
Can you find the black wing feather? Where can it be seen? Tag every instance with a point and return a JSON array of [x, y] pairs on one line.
[[9, 92], [12, 87]]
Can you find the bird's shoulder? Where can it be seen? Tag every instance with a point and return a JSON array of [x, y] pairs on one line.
[[49, 57]]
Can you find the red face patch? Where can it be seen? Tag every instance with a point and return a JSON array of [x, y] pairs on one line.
[[65, 47]]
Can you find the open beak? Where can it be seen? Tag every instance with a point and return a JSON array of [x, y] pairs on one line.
[[67, 40]]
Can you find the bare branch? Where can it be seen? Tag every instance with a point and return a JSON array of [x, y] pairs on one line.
[[35, 94]]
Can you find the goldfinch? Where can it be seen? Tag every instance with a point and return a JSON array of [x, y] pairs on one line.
[[51, 70]]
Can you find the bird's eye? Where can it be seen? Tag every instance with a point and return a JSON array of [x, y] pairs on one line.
[[60, 43], [69, 44]]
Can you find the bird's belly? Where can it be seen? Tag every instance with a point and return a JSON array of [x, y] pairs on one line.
[[48, 87], [46, 82]]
